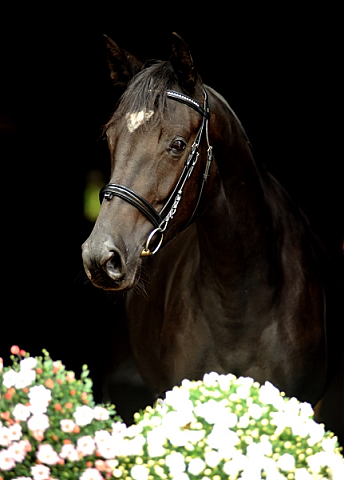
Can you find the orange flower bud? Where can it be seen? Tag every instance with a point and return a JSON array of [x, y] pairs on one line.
[[69, 405], [57, 406], [15, 349], [39, 370], [49, 383]]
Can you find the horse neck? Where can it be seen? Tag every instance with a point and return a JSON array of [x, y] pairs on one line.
[[236, 230]]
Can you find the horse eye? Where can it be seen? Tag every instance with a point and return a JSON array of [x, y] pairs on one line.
[[178, 146]]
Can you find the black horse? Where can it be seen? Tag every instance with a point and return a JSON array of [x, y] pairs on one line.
[[242, 287]]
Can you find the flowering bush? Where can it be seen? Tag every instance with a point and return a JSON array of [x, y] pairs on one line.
[[49, 425], [224, 428]]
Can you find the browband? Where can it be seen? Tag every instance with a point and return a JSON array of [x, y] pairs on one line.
[[182, 98]]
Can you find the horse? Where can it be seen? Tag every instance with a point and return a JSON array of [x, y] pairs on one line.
[[219, 269]]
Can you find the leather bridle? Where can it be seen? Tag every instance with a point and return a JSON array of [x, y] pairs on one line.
[[161, 220]]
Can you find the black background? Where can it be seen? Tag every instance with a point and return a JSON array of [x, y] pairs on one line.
[[279, 68]]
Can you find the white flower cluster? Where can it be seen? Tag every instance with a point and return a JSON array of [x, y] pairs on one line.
[[230, 428]]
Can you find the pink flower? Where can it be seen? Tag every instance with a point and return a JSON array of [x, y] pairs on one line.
[[15, 432], [91, 474], [85, 445], [21, 412], [26, 445], [38, 422], [38, 435], [40, 472], [1, 364], [17, 452], [46, 454], [69, 451], [67, 425], [7, 462], [5, 436]]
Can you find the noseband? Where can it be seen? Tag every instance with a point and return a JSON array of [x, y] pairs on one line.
[[160, 220]]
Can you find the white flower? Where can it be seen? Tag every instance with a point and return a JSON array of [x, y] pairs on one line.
[[46, 454], [85, 445], [133, 446], [91, 474], [38, 422], [302, 474], [139, 472], [133, 431], [221, 435], [212, 458], [255, 411], [286, 462], [196, 466], [181, 476], [101, 413], [21, 412], [270, 395], [28, 363], [211, 379], [243, 391], [39, 393], [329, 444], [39, 397], [261, 449], [225, 381], [40, 472], [83, 415], [9, 378], [155, 441], [213, 412], [25, 378], [235, 465], [244, 421], [109, 448], [101, 436], [176, 463], [306, 411], [67, 425], [173, 420], [316, 432], [119, 428], [246, 381]]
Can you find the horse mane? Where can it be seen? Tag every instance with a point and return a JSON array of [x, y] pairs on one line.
[[146, 91]]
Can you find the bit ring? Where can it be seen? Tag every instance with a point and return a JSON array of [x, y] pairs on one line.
[[146, 251]]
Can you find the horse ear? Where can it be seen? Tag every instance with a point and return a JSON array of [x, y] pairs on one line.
[[123, 66], [182, 63]]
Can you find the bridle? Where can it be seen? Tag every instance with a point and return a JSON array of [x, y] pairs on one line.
[[161, 220]]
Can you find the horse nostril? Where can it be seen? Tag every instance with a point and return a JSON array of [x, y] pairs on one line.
[[115, 266]]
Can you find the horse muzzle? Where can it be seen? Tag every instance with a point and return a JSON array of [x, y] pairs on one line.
[[107, 267]]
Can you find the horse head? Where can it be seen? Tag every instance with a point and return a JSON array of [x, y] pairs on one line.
[[155, 137]]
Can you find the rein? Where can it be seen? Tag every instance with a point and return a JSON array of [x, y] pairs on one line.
[[161, 220]]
